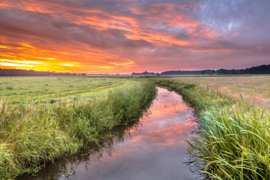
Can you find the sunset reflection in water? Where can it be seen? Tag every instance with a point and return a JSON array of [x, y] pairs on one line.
[[155, 148]]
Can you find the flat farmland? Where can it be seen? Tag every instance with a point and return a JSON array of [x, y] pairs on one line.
[[19, 90], [254, 89]]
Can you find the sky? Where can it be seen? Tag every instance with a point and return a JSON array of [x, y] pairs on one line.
[[125, 36]]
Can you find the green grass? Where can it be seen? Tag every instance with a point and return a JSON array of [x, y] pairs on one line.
[[32, 133], [20, 90], [234, 137]]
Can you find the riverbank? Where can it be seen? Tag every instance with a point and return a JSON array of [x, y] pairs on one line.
[[34, 133], [152, 147], [233, 141]]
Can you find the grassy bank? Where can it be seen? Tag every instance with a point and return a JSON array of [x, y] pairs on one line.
[[233, 141], [35, 132]]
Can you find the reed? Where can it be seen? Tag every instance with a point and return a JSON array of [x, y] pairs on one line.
[[33, 134], [233, 139]]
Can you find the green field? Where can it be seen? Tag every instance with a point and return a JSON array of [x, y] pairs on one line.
[[51, 89], [43, 118]]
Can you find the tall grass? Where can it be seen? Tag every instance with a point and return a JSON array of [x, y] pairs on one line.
[[233, 141], [33, 134]]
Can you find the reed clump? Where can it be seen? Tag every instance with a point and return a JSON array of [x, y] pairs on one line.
[[33, 134], [233, 141]]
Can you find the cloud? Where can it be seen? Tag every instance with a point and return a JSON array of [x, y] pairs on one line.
[[126, 36]]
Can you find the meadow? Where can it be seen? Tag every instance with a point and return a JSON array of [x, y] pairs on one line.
[[254, 89], [233, 136], [44, 118], [20, 90]]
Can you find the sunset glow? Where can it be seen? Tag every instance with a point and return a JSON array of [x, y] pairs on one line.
[[124, 36]]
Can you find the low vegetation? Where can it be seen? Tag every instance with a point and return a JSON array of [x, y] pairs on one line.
[[42, 126], [254, 89], [25, 90], [234, 136]]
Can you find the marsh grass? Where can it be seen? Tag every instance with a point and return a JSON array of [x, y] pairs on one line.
[[33, 134], [233, 141]]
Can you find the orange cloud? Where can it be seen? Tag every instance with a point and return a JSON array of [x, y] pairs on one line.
[[64, 60], [74, 37]]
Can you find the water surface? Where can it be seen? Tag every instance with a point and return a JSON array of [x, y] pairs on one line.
[[152, 148]]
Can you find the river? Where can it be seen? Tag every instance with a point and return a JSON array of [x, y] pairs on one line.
[[152, 148]]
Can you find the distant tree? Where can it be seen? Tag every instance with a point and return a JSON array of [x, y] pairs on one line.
[[145, 73]]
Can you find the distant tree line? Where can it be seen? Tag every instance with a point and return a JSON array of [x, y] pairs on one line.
[[181, 72], [99, 74], [21, 72], [263, 69], [144, 73]]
